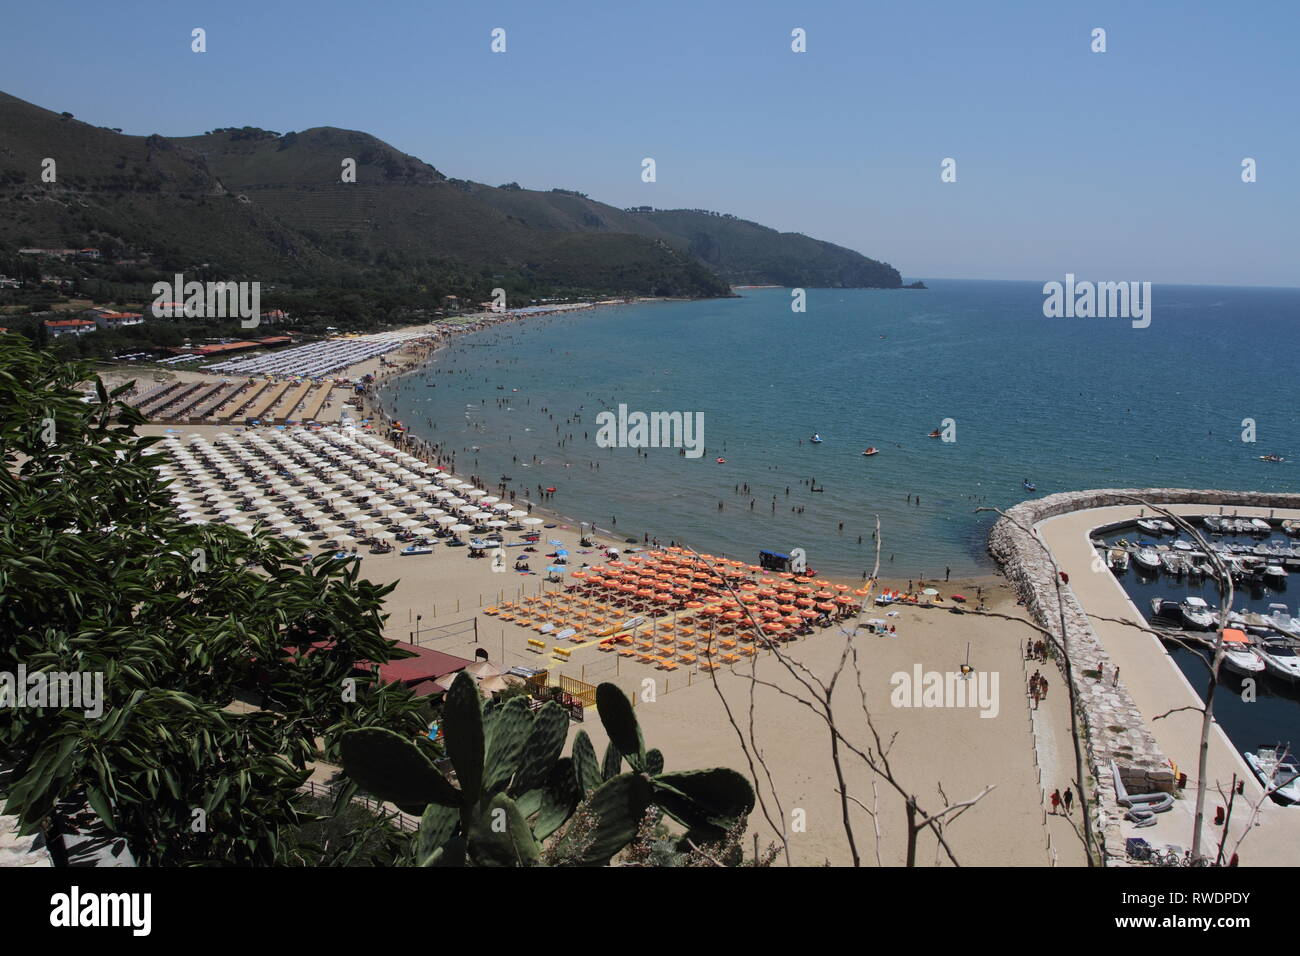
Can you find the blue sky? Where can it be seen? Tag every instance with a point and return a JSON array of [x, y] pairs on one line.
[[1115, 165]]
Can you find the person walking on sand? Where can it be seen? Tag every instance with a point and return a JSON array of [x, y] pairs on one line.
[[1069, 800], [1056, 801]]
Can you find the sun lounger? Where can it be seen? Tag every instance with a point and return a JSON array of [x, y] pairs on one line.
[[536, 646]]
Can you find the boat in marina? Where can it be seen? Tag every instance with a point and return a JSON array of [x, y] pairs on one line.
[[1260, 526], [1149, 526], [1117, 559], [1291, 526], [1196, 614], [1238, 654], [1277, 771], [1174, 563], [1280, 619], [1280, 657], [1147, 559], [1181, 545], [1164, 608], [1275, 571], [1211, 522]]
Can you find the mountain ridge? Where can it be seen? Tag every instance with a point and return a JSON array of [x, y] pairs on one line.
[[253, 201]]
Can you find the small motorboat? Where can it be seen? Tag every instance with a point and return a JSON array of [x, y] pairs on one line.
[[1275, 571], [1238, 656], [1271, 458], [873, 450], [720, 461], [1280, 657], [816, 439], [1181, 545], [1148, 559], [1117, 559], [1277, 771], [1260, 526], [935, 434], [417, 549], [1165, 608], [1151, 526], [1281, 620], [1196, 614], [1174, 563], [1029, 485]]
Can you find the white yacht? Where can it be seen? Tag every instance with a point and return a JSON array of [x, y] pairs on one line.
[[1280, 657], [1148, 559], [1277, 771], [1283, 621], [1196, 614]]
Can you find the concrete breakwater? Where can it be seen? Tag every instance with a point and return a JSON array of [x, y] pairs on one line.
[[1113, 727]]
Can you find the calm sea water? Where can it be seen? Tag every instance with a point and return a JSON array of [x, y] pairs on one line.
[[1066, 403]]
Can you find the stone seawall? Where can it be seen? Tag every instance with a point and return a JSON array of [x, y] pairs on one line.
[[1112, 725]]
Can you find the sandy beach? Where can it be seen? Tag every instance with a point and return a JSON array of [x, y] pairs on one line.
[[942, 754], [441, 602]]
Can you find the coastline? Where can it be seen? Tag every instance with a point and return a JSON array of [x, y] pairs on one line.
[[373, 409]]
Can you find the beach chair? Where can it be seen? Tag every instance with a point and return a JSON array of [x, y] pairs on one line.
[[536, 646], [730, 658], [747, 650], [605, 645], [686, 658], [667, 665], [708, 666], [728, 643], [492, 611], [626, 652], [645, 658]]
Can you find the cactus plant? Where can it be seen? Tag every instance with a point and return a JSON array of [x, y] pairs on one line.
[[509, 771], [478, 820]]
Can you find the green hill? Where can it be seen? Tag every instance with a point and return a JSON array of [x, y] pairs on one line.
[[269, 205]]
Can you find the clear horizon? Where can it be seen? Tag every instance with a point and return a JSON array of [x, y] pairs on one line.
[[1122, 165]]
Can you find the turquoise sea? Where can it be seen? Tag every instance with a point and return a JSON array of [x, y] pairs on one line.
[[1067, 403]]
